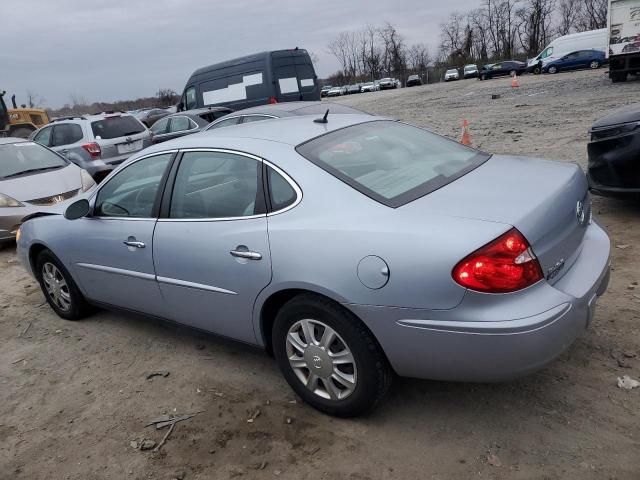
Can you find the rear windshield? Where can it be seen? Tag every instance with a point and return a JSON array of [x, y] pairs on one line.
[[391, 162], [24, 158], [114, 127]]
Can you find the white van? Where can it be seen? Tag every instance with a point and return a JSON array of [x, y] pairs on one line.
[[591, 40]]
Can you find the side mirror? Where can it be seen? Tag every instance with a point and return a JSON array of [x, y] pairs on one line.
[[77, 209]]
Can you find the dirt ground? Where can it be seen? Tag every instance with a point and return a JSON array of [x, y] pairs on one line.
[[73, 396]]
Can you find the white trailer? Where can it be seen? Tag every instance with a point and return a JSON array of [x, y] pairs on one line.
[[624, 38]]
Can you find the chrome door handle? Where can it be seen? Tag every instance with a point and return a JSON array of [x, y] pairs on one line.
[[246, 254], [130, 243]]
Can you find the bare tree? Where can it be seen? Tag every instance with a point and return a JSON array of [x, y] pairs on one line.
[[592, 14], [167, 97], [568, 11], [34, 100], [338, 47], [534, 24], [418, 58]]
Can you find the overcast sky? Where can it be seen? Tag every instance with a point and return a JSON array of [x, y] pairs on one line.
[[117, 49]]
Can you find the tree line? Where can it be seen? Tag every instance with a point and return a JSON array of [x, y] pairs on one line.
[[497, 29]]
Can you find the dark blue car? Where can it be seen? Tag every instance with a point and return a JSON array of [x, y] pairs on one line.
[[575, 60]]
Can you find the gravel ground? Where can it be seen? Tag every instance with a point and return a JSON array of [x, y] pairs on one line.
[[74, 396]]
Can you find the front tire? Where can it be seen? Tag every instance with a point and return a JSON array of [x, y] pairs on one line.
[[328, 357], [59, 289], [552, 69]]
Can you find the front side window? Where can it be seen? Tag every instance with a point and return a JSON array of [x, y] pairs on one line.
[[215, 185], [391, 162], [160, 126], [132, 192], [44, 136], [547, 52], [66, 134], [190, 101], [180, 124]]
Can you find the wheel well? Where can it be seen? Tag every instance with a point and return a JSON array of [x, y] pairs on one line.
[[276, 301], [34, 251]]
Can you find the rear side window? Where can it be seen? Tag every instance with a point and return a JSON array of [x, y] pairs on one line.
[[179, 124], [114, 127], [391, 162], [282, 193], [66, 133]]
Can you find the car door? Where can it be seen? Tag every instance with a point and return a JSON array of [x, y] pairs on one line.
[[210, 246], [571, 61], [113, 247]]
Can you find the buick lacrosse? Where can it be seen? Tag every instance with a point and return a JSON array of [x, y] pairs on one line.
[[353, 248]]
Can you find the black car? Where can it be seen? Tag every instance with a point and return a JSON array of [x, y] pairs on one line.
[[351, 89], [500, 69], [413, 80], [614, 151], [184, 123], [149, 116]]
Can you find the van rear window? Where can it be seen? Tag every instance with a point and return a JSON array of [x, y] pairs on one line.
[[114, 127]]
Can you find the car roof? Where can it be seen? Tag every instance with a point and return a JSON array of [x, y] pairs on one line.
[[286, 109], [290, 130], [8, 140]]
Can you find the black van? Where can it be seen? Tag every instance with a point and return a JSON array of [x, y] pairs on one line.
[[259, 79]]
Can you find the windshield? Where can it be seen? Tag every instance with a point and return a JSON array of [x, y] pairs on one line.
[[114, 127], [391, 162], [27, 157]]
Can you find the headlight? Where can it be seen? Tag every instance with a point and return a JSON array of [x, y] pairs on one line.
[[7, 201], [18, 235], [87, 180]]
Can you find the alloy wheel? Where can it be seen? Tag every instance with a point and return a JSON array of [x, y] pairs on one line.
[[594, 65], [321, 359], [56, 286]]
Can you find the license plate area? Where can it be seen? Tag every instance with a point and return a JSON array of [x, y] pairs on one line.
[[129, 146]]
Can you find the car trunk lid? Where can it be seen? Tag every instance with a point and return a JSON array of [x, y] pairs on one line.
[[546, 201]]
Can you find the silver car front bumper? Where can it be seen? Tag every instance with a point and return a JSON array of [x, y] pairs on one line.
[[487, 338]]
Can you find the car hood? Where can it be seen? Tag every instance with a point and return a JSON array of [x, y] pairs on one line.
[[42, 185], [630, 113]]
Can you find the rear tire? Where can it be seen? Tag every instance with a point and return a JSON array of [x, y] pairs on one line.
[[309, 364], [59, 289], [594, 65]]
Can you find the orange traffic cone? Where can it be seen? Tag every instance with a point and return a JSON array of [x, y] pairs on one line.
[[466, 136], [514, 81]]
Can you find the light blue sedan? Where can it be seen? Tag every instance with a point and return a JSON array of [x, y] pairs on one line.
[[351, 247]]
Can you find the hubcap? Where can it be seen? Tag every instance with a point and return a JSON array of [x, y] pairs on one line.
[[594, 64], [321, 359], [56, 286]]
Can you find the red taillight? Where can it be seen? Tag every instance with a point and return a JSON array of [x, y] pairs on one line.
[[505, 265], [93, 149], [273, 100]]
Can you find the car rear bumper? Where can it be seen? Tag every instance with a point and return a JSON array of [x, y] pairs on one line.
[[487, 338]]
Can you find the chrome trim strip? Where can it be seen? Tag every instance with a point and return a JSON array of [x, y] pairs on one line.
[[118, 271], [219, 120], [221, 150], [197, 286]]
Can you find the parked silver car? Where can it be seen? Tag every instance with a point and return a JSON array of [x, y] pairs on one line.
[[32, 177], [351, 247], [96, 143], [451, 74]]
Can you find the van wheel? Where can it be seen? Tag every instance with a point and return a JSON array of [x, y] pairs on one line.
[[537, 70], [618, 77], [594, 65], [328, 357], [552, 69], [483, 77]]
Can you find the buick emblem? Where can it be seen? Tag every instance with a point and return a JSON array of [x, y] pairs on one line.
[[317, 362], [129, 139], [57, 199], [580, 213]]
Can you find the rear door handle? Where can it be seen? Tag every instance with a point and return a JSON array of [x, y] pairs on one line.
[[134, 243], [246, 254]]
